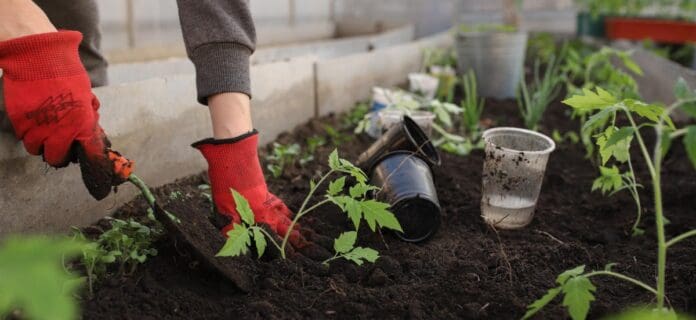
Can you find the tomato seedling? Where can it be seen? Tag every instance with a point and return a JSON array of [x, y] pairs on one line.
[[356, 204], [615, 142]]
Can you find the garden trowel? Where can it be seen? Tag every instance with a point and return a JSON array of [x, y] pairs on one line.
[[191, 229]]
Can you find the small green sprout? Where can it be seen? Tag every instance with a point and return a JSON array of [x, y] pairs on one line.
[[282, 157]]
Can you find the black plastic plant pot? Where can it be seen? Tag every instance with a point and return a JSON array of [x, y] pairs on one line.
[[406, 183], [405, 137]]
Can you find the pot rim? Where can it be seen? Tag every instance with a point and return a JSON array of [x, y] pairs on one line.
[[493, 131]]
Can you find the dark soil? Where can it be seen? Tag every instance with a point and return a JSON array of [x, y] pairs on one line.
[[466, 271]]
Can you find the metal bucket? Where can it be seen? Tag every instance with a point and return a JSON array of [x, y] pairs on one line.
[[497, 59]]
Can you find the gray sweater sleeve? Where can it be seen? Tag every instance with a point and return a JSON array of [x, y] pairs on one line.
[[219, 37]]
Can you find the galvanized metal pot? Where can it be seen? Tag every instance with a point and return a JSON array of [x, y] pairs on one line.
[[497, 59]]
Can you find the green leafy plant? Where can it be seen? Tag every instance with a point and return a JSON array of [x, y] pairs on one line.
[[472, 106], [469, 122], [345, 248], [647, 313], [356, 115], [336, 136], [533, 100], [575, 284], [282, 156], [591, 69], [441, 57], [130, 242], [313, 143], [356, 204], [95, 259], [570, 136], [542, 46], [613, 7], [33, 279]]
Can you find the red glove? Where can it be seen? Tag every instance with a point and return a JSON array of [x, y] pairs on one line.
[[234, 164], [51, 106]]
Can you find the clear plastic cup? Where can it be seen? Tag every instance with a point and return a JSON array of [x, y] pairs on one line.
[[390, 118], [512, 175]]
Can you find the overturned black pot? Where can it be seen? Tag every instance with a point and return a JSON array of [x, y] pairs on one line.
[[406, 183], [405, 137]]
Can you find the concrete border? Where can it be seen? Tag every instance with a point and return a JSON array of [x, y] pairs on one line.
[[343, 81], [136, 71]]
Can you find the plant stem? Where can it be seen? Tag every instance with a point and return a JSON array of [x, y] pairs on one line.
[[678, 133], [143, 189], [681, 237], [336, 256], [622, 277], [302, 211], [270, 237], [641, 143], [654, 167], [634, 193]]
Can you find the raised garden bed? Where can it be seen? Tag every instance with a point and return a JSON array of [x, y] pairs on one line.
[[467, 270]]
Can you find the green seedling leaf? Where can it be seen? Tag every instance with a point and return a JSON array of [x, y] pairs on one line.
[[620, 150], [350, 206], [345, 242], [578, 291], [590, 100], [360, 190], [377, 213], [666, 144], [682, 90], [34, 279], [649, 313], [609, 180], [243, 207], [651, 112], [619, 136], [563, 277], [541, 302], [237, 244], [690, 144], [259, 241], [334, 162], [336, 186], [630, 63], [360, 254], [598, 119]]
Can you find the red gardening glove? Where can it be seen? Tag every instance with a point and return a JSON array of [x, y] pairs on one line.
[[234, 164], [49, 101]]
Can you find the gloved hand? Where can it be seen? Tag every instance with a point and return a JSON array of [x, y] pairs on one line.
[[234, 164], [49, 101]]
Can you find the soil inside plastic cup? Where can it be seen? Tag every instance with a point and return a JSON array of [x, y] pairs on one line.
[[513, 172]]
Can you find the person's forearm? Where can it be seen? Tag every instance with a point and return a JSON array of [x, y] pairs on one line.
[[22, 18], [230, 114]]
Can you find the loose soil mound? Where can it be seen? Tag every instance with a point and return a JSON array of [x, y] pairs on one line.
[[467, 271]]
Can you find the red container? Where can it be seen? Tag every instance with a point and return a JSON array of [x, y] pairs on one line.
[[658, 30]]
